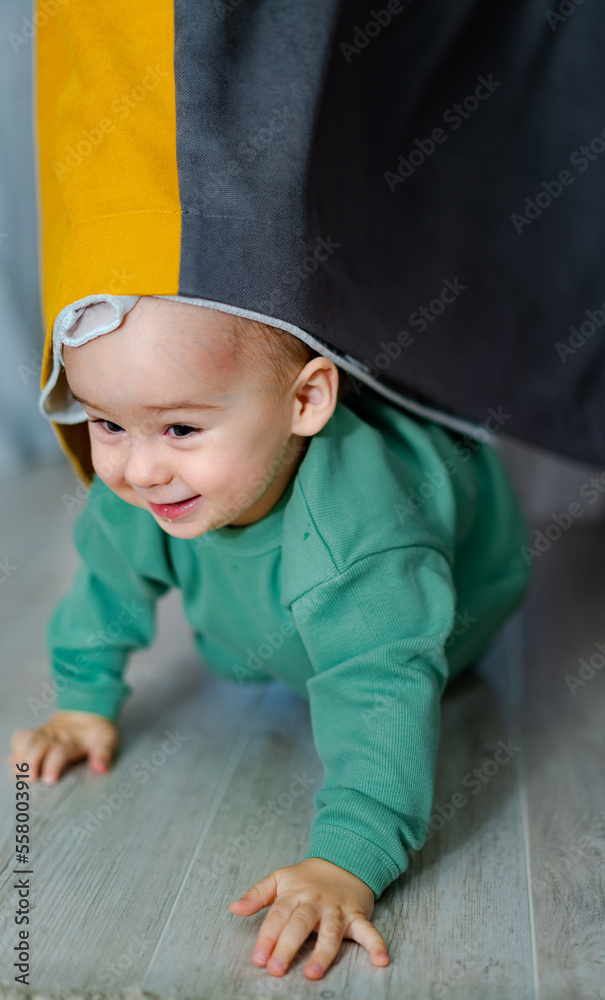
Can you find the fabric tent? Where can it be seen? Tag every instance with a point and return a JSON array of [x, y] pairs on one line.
[[415, 188]]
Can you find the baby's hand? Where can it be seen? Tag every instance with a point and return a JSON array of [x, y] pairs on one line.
[[66, 737], [311, 895]]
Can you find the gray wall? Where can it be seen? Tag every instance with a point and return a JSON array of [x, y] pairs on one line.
[[26, 439]]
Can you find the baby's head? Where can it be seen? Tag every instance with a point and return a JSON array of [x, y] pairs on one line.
[[186, 401]]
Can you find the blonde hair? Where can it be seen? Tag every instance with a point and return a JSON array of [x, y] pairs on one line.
[[283, 353]]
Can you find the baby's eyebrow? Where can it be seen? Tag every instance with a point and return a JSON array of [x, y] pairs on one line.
[[182, 405]]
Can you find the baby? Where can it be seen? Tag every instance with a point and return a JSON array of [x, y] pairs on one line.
[[385, 548]]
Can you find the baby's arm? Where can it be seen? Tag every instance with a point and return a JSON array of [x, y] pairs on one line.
[[375, 635], [109, 611]]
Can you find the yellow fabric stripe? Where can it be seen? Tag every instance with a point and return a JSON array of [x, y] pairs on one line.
[[53, 54], [110, 211]]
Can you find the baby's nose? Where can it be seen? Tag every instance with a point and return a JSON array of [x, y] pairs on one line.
[[144, 467]]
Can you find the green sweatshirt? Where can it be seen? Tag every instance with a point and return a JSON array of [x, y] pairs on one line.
[[387, 565]]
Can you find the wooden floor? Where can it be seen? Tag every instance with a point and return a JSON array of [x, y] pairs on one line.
[[505, 901]]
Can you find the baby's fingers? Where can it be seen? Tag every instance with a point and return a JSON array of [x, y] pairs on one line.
[[329, 938], [282, 932], [363, 931], [45, 756], [58, 755], [261, 894], [27, 747]]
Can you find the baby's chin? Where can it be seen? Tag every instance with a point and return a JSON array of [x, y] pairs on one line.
[[185, 531], [192, 527], [188, 529]]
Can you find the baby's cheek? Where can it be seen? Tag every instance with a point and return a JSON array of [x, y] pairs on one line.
[[104, 461], [243, 477]]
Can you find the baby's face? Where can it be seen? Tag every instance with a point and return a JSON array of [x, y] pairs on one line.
[[231, 446]]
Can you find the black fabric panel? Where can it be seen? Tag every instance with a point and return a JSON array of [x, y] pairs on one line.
[[261, 192]]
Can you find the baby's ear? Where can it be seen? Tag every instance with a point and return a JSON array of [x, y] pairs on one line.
[[317, 395]]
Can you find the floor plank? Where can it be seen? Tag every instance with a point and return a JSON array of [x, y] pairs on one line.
[[564, 731], [488, 908]]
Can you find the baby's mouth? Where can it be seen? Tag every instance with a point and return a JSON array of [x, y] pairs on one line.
[[176, 508]]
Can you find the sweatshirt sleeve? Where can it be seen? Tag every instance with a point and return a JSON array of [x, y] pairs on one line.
[[375, 634], [110, 608]]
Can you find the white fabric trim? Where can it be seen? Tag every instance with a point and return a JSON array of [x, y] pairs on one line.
[[73, 327], [57, 404]]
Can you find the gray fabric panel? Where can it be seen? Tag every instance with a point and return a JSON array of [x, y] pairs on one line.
[[257, 197], [248, 81]]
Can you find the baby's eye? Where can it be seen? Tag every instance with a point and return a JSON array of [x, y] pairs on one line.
[[112, 428], [99, 421], [185, 427]]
